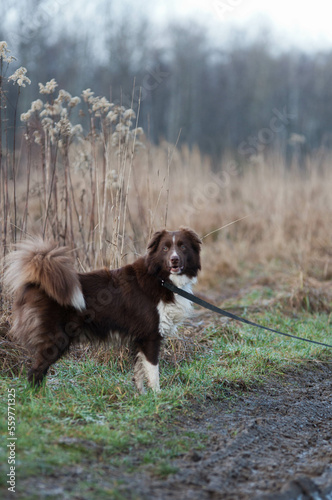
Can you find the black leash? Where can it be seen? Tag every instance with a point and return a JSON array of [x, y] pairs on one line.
[[215, 309]]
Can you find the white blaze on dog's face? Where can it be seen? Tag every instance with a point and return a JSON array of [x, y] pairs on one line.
[[175, 252]]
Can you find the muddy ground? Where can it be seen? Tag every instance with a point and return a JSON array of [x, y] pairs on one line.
[[273, 442]]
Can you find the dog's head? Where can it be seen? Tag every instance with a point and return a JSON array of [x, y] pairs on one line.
[[174, 252]]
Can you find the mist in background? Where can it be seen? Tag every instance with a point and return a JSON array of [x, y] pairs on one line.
[[198, 77]]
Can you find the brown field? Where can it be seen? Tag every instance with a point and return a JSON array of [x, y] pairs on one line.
[[104, 192], [261, 214]]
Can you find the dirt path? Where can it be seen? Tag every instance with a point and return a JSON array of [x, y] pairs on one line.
[[275, 443]]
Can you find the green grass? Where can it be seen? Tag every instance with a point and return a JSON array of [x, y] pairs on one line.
[[90, 413]]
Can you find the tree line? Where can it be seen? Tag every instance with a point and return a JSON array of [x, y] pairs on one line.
[[246, 97]]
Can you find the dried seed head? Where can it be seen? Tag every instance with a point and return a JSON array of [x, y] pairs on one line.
[[25, 117], [48, 88], [19, 77], [63, 96], [74, 101], [129, 114], [112, 116], [87, 94], [4, 51], [36, 105]]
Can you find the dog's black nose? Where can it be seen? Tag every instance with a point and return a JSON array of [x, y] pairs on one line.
[[174, 260]]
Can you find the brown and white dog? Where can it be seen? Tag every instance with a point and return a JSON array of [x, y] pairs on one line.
[[55, 306]]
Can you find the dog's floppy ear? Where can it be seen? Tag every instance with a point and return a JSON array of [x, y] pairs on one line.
[[194, 238], [153, 263], [153, 245]]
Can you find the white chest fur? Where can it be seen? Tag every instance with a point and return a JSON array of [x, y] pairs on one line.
[[171, 315]]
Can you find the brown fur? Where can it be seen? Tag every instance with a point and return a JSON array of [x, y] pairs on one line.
[[124, 300]]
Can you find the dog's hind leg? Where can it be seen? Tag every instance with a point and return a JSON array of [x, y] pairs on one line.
[[139, 372], [45, 354]]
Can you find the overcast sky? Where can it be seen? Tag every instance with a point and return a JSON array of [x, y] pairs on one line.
[[295, 22], [291, 22]]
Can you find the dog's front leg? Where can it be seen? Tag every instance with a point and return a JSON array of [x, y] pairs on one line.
[[152, 375], [147, 365]]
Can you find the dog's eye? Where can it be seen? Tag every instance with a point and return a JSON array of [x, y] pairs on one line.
[[183, 247], [165, 249]]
